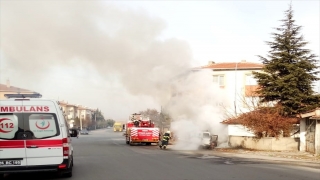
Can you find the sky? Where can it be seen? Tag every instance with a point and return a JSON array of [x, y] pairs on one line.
[[119, 56]]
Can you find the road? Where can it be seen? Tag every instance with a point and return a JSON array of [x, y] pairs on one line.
[[103, 155]]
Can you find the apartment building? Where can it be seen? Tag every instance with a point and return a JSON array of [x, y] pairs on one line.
[[77, 115], [237, 80]]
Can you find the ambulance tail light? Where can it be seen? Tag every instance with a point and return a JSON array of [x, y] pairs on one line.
[[62, 166], [65, 148]]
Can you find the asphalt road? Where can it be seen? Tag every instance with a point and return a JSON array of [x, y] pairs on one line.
[[103, 155]]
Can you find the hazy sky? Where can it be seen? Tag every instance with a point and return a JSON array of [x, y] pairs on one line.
[[118, 55]]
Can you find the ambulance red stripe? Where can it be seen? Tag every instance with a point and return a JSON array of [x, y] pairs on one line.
[[39, 143], [44, 143], [11, 144]]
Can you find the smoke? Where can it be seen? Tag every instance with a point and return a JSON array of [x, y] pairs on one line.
[[74, 43], [98, 54], [198, 106]]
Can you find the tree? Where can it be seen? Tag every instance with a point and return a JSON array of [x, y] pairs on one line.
[[98, 119], [289, 70], [110, 122], [97, 115], [262, 120], [153, 114], [77, 121], [267, 121]]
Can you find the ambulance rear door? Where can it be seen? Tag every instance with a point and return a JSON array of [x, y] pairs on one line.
[[46, 145], [12, 136]]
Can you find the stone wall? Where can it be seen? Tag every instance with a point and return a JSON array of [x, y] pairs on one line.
[[271, 144]]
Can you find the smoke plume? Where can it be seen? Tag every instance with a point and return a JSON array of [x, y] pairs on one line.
[[195, 108], [97, 54]]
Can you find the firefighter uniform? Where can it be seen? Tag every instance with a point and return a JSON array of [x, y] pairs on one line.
[[165, 140]]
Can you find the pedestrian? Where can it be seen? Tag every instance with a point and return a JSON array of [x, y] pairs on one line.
[[78, 133]]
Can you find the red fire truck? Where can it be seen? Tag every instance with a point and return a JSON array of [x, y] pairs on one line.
[[141, 130]]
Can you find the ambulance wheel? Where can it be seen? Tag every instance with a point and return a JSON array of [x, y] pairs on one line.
[[65, 174], [68, 174]]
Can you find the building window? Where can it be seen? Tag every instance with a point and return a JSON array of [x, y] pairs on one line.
[[251, 86], [219, 79]]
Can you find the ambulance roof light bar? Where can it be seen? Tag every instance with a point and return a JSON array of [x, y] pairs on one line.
[[35, 95]]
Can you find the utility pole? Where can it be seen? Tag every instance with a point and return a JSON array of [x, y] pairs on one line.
[[235, 89], [95, 120], [160, 119]]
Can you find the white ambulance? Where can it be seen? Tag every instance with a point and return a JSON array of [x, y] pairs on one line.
[[34, 136]]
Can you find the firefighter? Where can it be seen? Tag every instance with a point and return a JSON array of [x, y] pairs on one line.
[[165, 140]]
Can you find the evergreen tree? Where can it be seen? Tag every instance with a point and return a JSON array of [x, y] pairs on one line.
[[290, 70]]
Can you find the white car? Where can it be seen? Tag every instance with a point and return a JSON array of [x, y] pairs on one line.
[[84, 131]]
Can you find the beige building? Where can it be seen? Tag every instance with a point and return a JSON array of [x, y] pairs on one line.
[[8, 89], [237, 81], [77, 115]]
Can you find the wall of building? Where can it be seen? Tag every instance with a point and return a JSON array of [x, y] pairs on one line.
[[235, 84], [317, 138], [239, 130], [269, 144]]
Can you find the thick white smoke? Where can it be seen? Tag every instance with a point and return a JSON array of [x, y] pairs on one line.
[[92, 53], [58, 47], [195, 108]]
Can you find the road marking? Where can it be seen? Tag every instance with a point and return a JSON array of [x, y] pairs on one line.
[[208, 157], [228, 162]]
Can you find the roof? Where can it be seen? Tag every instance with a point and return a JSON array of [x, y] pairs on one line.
[[232, 66], [315, 114], [231, 121], [5, 88]]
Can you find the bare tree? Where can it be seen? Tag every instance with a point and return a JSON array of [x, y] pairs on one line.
[[263, 119]]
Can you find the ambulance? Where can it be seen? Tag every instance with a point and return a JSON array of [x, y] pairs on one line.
[[34, 136]]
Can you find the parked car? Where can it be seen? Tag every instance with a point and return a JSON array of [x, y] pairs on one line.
[[84, 131]]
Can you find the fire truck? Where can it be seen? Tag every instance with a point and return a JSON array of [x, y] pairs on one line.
[[141, 130]]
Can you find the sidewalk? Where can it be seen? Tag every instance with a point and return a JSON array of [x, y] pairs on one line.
[[286, 157]]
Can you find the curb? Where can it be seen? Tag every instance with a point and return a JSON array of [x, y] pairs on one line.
[[246, 157]]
